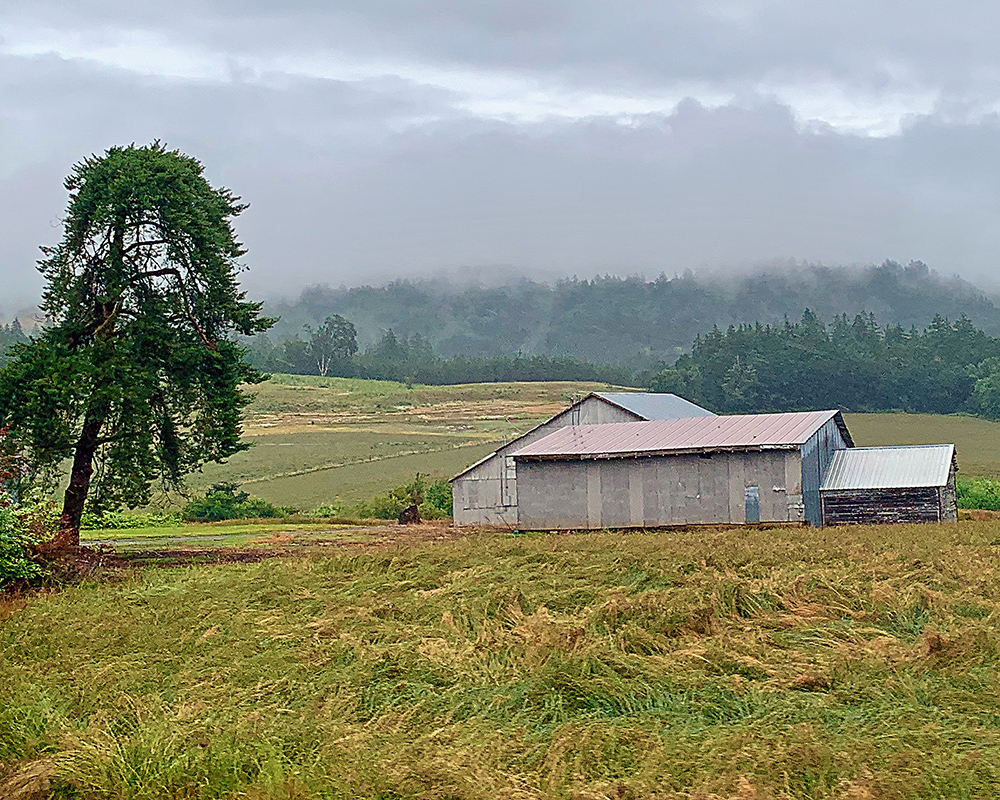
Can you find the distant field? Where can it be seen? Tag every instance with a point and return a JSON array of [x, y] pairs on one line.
[[977, 441], [320, 439]]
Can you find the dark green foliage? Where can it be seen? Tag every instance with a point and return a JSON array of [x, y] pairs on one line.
[[412, 360], [10, 335], [981, 493], [855, 365], [227, 501], [135, 374], [22, 523], [332, 346], [631, 321], [16, 564], [433, 500]]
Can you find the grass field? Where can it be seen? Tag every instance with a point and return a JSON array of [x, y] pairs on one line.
[[844, 663], [977, 441], [319, 439]]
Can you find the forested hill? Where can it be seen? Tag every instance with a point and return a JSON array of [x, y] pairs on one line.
[[631, 321]]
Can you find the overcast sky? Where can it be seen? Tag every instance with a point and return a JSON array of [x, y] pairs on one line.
[[385, 138]]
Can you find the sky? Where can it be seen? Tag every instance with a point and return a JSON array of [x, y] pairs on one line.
[[377, 139]]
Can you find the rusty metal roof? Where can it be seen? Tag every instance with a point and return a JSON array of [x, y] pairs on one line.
[[735, 432], [908, 466]]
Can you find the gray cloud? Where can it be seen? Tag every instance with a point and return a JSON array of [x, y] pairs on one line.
[[877, 46], [389, 165]]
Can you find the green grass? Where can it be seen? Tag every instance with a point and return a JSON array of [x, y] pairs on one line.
[[363, 481], [298, 394], [977, 441], [320, 439], [849, 662], [268, 527]]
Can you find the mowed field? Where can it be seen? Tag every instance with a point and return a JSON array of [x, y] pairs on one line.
[[977, 441], [320, 439], [317, 440]]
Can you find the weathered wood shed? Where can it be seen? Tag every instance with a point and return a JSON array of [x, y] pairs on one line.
[[869, 485], [486, 493], [743, 468]]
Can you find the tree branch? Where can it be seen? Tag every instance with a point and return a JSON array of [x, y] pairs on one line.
[[147, 242]]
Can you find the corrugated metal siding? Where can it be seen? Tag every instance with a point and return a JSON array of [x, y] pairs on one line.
[[817, 453], [486, 492], [657, 491], [664, 436], [651, 405], [889, 467]]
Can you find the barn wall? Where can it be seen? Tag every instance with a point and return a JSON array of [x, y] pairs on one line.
[[949, 499], [488, 493], [658, 490], [817, 453], [874, 506]]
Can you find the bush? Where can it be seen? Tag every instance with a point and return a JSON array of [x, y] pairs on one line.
[[21, 527], [226, 501], [117, 520], [433, 501], [983, 493]]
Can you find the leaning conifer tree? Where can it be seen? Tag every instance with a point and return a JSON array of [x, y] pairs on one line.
[[135, 374]]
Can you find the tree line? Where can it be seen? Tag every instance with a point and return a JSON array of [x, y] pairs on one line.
[[852, 364], [332, 349], [629, 321]]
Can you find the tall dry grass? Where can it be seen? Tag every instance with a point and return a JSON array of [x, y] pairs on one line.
[[837, 663]]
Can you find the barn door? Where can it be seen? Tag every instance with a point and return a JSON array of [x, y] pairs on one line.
[[752, 501]]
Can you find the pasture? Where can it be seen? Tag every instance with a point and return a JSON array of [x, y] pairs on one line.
[[843, 663], [320, 439]]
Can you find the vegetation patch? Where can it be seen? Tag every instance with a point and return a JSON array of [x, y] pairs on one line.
[[856, 662], [226, 501], [432, 498], [983, 493]]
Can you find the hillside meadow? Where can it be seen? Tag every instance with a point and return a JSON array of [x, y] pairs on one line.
[[320, 439], [767, 663]]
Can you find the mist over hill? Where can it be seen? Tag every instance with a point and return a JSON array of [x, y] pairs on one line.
[[630, 320]]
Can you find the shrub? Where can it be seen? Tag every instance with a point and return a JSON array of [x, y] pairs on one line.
[[433, 501], [227, 501], [981, 493], [22, 527], [117, 520], [22, 524]]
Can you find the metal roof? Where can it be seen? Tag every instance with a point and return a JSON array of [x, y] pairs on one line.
[[664, 406], [739, 431], [889, 467], [651, 405]]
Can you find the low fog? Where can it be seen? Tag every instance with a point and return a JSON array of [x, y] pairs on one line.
[[389, 139]]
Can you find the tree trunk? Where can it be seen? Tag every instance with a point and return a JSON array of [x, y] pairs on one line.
[[79, 477]]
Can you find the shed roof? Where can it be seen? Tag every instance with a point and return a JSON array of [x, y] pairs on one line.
[[662, 406], [889, 467], [735, 432], [653, 405]]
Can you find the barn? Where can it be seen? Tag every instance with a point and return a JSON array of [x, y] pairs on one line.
[[744, 468], [486, 493], [890, 484]]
